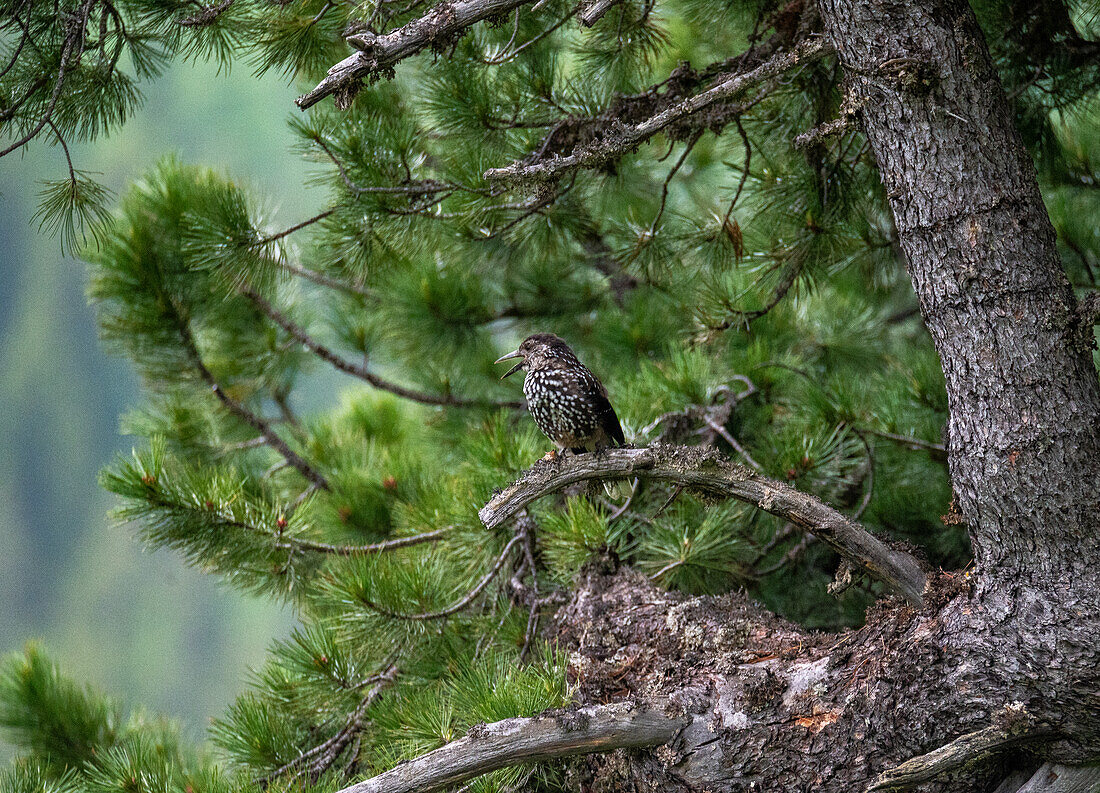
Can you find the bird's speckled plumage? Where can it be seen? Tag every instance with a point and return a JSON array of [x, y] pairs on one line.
[[568, 403]]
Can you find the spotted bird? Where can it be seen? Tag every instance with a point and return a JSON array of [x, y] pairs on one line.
[[568, 403]]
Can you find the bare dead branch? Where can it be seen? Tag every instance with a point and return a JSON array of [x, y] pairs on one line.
[[377, 54], [622, 138], [563, 733], [706, 469], [595, 11], [1014, 727], [819, 133], [207, 16]]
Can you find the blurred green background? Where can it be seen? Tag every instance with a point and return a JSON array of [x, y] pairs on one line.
[[140, 625]]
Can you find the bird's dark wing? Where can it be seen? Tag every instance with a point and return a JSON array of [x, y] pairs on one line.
[[606, 417]]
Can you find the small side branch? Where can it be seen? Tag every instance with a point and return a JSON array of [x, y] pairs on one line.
[[354, 550], [323, 352], [467, 599], [318, 759], [243, 413], [598, 728], [1013, 727], [706, 469], [377, 54], [624, 139]]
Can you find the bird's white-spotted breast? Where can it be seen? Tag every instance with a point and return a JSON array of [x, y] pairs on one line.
[[558, 403]]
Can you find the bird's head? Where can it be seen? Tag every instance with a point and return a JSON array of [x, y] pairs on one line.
[[535, 352]]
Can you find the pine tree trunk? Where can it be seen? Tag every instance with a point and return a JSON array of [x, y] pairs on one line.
[[1024, 401], [1010, 653]]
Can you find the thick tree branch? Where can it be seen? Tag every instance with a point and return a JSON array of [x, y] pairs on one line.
[[598, 728], [595, 11], [621, 139], [706, 469], [378, 54]]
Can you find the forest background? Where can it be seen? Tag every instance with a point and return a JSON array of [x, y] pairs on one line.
[[138, 624]]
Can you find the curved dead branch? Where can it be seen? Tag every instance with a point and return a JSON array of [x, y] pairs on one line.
[[596, 728], [706, 469]]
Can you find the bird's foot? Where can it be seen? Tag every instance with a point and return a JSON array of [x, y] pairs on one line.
[[551, 455]]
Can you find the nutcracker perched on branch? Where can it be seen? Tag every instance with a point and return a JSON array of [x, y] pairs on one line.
[[568, 402]]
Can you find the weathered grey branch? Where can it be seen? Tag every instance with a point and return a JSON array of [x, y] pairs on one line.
[[595, 11], [1053, 778], [597, 728], [621, 139], [963, 750], [708, 470], [379, 53]]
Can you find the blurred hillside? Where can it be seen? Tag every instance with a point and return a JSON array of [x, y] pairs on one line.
[[140, 625]]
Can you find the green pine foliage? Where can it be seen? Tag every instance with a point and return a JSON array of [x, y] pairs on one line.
[[75, 739], [728, 289]]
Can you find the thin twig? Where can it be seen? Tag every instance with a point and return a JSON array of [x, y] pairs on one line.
[[732, 441], [354, 550], [323, 352], [672, 172], [76, 33], [296, 227], [240, 411], [906, 440], [464, 601], [331, 749], [744, 171], [324, 280], [510, 56]]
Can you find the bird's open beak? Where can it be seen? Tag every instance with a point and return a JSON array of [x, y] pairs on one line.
[[514, 369]]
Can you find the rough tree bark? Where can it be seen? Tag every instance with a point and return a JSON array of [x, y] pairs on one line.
[[995, 678]]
